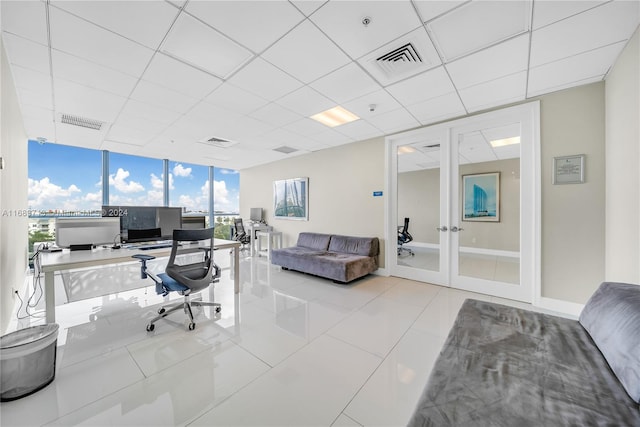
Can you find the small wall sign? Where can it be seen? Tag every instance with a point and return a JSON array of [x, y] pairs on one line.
[[377, 194], [568, 169]]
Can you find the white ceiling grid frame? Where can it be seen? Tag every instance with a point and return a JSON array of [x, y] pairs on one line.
[[584, 32], [504, 90], [306, 101], [435, 109], [265, 80], [144, 22], [236, 99], [548, 12], [256, 27], [478, 25], [346, 84], [28, 20], [27, 53], [193, 42], [432, 84]]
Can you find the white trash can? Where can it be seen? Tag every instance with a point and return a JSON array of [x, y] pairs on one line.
[[27, 360]]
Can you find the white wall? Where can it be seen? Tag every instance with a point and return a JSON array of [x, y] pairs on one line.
[[622, 100], [341, 185], [13, 194]]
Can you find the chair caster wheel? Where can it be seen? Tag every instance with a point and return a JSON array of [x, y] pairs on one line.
[[161, 310], [150, 327], [218, 309], [192, 326]]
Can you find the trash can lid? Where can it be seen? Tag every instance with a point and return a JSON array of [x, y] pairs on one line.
[[27, 335]]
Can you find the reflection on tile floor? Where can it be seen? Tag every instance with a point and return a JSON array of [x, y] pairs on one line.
[[290, 349]]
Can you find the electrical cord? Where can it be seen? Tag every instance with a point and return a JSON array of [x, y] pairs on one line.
[[36, 285]]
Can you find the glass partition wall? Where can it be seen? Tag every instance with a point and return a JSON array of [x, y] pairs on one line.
[[468, 191]]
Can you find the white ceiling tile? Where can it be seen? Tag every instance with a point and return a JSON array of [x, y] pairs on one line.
[[29, 96], [235, 99], [211, 114], [573, 69], [306, 53], [75, 69], [474, 148], [39, 83], [275, 115], [422, 87], [40, 128], [308, 6], [394, 121], [37, 113], [331, 138], [306, 101], [180, 77], [193, 42], [145, 22], [597, 27], [359, 130], [502, 132], [501, 91], [139, 124], [72, 98], [548, 12], [26, 53], [404, 57], [346, 83], [594, 79], [306, 127], [96, 44], [477, 25], [436, 109], [342, 22], [246, 127], [430, 9], [381, 100], [254, 24], [128, 135], [264, 80], [27, 19], [500, 60], [154, 113], [78, 136], [151, 93]]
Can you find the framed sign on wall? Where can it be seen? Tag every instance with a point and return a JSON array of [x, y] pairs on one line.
[[568, 169]]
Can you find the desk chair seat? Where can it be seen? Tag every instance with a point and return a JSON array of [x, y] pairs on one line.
[[404, 237], [184, 279]]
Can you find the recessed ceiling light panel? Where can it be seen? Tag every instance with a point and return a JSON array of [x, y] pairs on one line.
[[335, 116]]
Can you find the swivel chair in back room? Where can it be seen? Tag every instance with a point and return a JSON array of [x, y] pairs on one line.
[[240, 234], [404, 237], [186, 279]]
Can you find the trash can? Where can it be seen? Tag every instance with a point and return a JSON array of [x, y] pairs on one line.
[[27, 360]]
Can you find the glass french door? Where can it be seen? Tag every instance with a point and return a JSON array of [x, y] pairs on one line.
[[467, 193]]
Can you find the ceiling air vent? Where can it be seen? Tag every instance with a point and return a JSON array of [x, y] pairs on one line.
[[400, 57], [286, 150], [81, 121], [219, 142]]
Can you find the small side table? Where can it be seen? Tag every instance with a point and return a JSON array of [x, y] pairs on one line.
[[274, 238]]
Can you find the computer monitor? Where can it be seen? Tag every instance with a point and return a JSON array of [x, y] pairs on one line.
[[164, 218], [256, 214]]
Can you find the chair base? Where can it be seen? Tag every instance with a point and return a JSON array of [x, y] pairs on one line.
[[186, 305], [402, 250]]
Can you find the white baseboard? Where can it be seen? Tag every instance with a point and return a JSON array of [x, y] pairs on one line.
[[567, 307], [382, 272]]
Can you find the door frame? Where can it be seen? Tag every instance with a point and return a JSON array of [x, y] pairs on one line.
[[530, 187]]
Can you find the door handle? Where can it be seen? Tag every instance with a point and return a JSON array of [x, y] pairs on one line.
[[455, 229], [443, 228]]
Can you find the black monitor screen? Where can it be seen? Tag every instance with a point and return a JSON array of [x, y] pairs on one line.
[[143, 218]]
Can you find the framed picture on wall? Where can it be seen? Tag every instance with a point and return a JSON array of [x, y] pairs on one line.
[[291, 199], [481, 197]]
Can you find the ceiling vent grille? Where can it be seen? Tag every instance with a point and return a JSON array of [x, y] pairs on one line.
[[399, 58], [219, 142], [286, 150], [81, 121]]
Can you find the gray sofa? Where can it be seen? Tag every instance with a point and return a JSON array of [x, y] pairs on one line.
[[503, 366], [340, 258]]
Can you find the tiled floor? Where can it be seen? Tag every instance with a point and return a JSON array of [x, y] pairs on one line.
[[290, 349]]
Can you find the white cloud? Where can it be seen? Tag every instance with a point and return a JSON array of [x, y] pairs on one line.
[[228, 171], [45, 194], [119, 181], [157, 182], [180, 170]]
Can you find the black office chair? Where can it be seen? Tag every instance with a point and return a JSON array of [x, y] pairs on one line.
[[185, 279], [404, 237], [240, 234]]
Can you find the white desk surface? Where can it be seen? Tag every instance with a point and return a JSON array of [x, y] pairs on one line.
[[67, 260]]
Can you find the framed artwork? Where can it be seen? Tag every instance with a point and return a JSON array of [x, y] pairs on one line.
[[291, 199], [481, 197]]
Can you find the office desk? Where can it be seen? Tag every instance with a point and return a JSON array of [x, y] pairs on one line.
[[66, 260], [253, 229]]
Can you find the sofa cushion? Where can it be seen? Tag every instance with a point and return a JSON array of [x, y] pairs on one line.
[[612, 319], [314, 241], [366, 246]]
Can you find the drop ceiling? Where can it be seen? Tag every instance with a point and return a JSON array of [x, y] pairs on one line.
[[165, 77]]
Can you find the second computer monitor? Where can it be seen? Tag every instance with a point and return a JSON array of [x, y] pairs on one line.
[[256, 214]]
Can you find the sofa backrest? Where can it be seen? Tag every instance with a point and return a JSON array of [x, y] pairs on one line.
[[366, 246], [316, 241]]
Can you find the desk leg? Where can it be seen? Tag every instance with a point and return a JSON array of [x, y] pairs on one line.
[[236, 269], [50, 297]]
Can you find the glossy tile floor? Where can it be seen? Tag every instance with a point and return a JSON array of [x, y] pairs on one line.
[[290, 349]]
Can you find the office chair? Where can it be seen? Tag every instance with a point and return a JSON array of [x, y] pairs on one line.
[[404, 237], [185, 279], [240, 234]]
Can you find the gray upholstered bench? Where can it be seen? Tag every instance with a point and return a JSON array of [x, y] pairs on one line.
[[340, 258]]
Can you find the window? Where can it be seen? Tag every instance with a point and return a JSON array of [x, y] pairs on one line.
[[135, 181], [226, 200]]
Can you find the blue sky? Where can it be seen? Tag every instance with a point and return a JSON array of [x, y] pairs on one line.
[[69, 178]]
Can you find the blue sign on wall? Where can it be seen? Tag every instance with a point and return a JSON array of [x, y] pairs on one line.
[[377, 193]]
